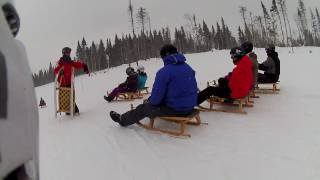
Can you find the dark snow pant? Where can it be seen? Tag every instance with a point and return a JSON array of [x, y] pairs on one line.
[[220, 91], [266, 78], [147, 110]]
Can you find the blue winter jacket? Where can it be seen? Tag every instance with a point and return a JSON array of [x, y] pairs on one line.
[[142, 78], [175, 85]]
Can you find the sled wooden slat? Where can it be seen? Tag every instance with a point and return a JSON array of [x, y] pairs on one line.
[[193, 119], [273, 90], [239, 103], [143, 91]]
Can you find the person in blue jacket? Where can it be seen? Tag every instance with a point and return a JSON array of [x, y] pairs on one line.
[[142, 77], [174, 91]]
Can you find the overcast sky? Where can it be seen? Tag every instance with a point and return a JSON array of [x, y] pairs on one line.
[[49, 25]]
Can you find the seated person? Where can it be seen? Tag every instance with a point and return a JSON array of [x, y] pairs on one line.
[[174, 91], [248, 49], [130, 85], [64, 68], [42, 102], [271, 67], [142, 77], [236, 84]]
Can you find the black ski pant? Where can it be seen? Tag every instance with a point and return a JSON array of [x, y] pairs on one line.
[[267, 78], [147, 110], [219, 91]]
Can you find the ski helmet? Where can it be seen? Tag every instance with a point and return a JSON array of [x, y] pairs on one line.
[[140, 68], [270, 47], [247, 47], [66, 51], [129, 71], [237, 53], [168, 49], [11, 15]]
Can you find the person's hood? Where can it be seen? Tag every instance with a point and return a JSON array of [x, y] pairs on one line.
[[174, 59]]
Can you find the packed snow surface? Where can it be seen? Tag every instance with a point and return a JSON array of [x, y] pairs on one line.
[[279, 138]]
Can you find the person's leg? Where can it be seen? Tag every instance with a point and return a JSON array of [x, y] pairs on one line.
[[205, 94], [141, 111], [76, 109], [262, 78]]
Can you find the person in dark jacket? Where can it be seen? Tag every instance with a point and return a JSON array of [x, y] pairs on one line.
[[130, 85], [271, 67], [64, 70], [236, 84], [248, 49], [174, 91]]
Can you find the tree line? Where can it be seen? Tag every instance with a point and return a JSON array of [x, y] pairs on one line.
[[271, 26]]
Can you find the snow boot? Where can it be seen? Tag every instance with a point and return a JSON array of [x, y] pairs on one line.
[[116, 117], [107, 98]]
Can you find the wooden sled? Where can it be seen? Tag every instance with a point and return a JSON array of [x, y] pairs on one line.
[[127, 96], [66, 97], [274, 90], [192, 119], [143, 91], [239, 103]]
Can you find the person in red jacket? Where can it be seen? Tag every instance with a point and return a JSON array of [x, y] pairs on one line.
[[64, 68], [236, 84]]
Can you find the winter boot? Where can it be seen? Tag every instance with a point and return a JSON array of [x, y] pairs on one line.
[[116, 117], [107, 98]]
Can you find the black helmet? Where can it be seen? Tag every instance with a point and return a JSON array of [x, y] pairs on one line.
[[237, 53], [66, 50], [129, 71], [167, 50], [247, 47], [270, 47]]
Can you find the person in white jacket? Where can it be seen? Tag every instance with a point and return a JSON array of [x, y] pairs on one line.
[[18, 108]]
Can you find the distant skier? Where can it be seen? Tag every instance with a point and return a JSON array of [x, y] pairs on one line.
[[236, 84], [174, 91], [248, 47], [65, 64], [42, 103], [19, 125], [142, 77], [130, 85], [271, 67]]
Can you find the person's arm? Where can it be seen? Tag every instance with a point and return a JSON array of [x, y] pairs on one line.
[[159, 89], [57, 69], [266, 64], [80, 65]]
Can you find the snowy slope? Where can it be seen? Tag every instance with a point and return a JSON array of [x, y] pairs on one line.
[[279, 138]]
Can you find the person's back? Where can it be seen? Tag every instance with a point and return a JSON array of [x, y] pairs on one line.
[[132, 82], [175, 84], [271, 67], [142, 79], [247, 47], [241, 79]]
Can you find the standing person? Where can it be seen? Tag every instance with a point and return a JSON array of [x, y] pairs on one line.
[[271, 66], [130, 85], [64, 68], [248, 49], [174, 91], [236, 84], [19, 125], [142, 77]]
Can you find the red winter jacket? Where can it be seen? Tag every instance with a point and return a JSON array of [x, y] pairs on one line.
[[241, 79], [65, 74]]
